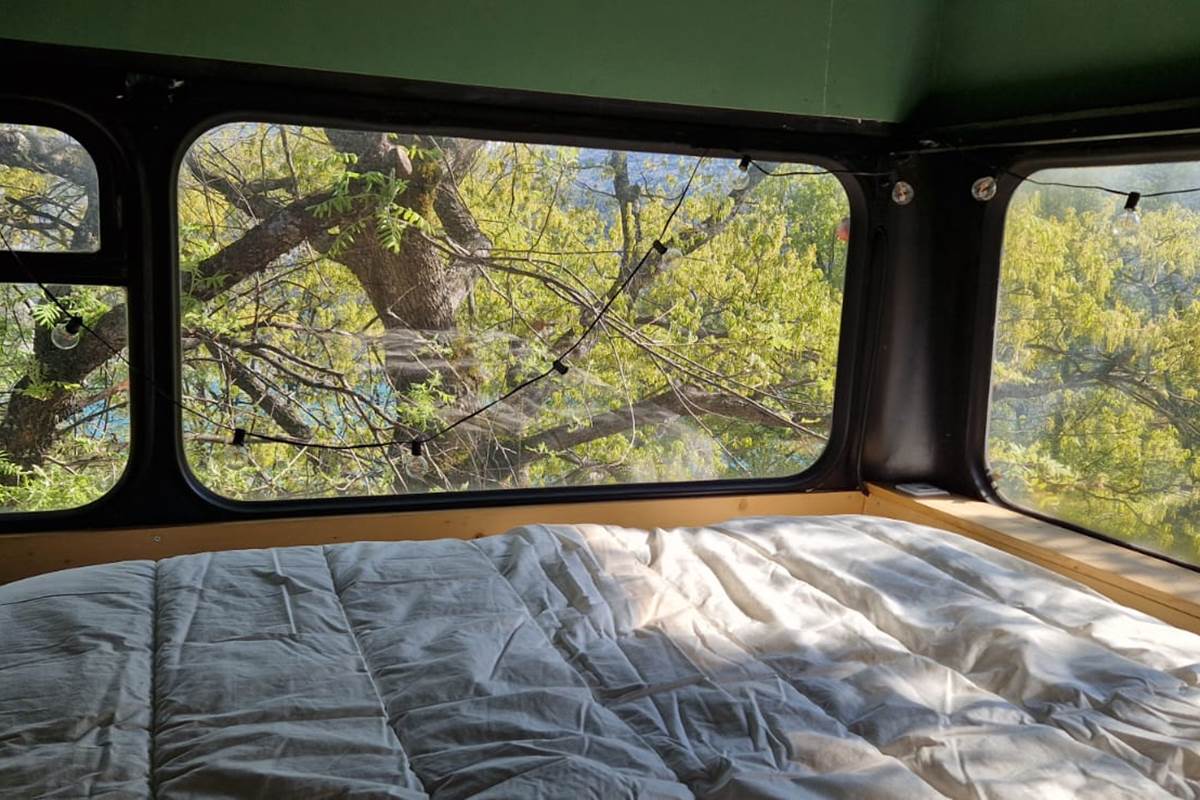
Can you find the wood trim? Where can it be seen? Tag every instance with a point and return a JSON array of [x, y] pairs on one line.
[[1159, 588], [1156, 587], [25, 554]]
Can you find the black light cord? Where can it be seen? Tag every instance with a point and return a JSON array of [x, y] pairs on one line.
[[416, 445]]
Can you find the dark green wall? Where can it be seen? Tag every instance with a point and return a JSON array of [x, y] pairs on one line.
[[846, 58]]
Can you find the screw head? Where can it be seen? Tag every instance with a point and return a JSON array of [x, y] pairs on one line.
[[903, 193], [984, 189]]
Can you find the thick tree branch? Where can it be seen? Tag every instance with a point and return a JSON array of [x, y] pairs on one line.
[[20, 147], [257, 248], [375, 151]]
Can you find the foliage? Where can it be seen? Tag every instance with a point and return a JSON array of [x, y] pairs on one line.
[[91, 437], [555, 247], [1095, 414]]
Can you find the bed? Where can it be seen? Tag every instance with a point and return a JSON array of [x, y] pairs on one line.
[[843, 656]]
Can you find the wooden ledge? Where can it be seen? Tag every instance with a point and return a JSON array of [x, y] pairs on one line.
[[1158, 588], [1151, 585], [26, 554]]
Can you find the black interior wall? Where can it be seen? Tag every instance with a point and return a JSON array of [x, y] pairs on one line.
[[916, 426]]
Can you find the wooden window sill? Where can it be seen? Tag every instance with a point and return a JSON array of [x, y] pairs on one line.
[[1163, 590]]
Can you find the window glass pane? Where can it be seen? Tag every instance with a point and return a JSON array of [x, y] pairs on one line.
[[1095, 412], [353, 288], [64, 420], [48, 192]]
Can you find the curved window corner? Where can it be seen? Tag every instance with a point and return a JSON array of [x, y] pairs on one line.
[[1095, 411], [64, 417], [505, 305], [49, 192]]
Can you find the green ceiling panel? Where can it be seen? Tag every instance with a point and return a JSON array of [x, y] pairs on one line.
[[1003, 58], [940, 60], [838, 57]]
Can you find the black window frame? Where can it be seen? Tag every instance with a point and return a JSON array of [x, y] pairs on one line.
[[107, 266], [590, 492], [139, 114]]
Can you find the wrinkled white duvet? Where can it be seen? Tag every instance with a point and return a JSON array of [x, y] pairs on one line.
[[849, 657]]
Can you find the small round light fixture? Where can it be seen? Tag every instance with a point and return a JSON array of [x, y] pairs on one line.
[[984, 189], [66, 335], [903, 193], [671, 257]]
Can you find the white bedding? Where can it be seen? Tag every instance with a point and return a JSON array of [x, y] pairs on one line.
[[849, 657]]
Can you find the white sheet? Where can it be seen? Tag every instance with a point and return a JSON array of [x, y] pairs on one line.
[[848, 657]]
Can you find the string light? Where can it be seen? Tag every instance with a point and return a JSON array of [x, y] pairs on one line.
[[1128, 219], [66, 335], [741, 180], [74, 320], [1126, 193], [903, 193], [418, 461], [417, 464]]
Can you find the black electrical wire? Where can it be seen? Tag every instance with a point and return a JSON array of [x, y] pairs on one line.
[[559, 365]]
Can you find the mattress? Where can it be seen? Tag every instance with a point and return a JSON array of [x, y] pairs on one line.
[[840, 657]]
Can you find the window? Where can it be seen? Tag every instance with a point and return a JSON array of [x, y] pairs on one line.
[[64, 420], [64, 423], [360, 290], [1095, 414], [48, 192]]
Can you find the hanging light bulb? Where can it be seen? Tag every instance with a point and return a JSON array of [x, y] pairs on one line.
[[984, 189], [903, 193], [417, 467], [1128, 219], [741, 178], [65, 335], [417, 464], [671, 257]]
